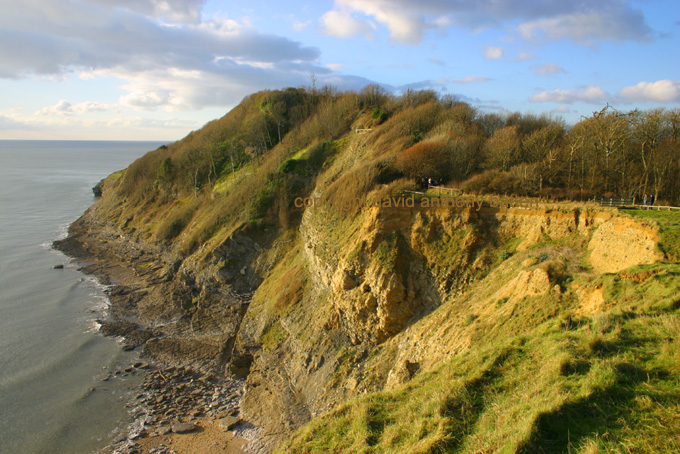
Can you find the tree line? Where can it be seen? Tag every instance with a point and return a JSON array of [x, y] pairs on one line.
[[422, 134], [610, 154]]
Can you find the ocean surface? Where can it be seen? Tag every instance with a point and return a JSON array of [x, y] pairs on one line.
[[52, 360]]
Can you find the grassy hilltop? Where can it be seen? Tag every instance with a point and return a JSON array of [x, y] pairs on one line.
[[252, 163], [379, 329]]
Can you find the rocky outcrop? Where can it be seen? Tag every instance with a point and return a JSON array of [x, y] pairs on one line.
[[97, 189]]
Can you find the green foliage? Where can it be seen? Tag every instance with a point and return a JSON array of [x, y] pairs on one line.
[[386, 253], [246, 166], [263, 200], [273, 336], [165, 169], [378, 114], [289, 165]]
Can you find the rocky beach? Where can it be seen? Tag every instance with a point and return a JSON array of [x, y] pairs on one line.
[[187, 406]]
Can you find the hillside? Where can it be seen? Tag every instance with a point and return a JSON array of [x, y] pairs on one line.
[[282, 246]]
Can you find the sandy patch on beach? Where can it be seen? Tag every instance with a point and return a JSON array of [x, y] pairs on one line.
[[209, 438]]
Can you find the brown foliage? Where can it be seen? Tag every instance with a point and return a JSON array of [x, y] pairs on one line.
[[425, 159], [291, 288], [502, 150]]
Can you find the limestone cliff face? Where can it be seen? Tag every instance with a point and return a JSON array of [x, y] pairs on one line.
[[316, 306]]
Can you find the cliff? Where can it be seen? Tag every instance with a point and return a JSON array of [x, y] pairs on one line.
[[417, 325]]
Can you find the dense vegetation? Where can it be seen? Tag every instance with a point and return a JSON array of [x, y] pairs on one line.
[[255, 160]]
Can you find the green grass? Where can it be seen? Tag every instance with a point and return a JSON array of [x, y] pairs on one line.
[[273, 336], [606, 384], [176, 222], [228, 181], [387, 252]]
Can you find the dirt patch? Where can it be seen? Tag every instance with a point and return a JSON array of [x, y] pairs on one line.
[[209, 438], [592, 301]]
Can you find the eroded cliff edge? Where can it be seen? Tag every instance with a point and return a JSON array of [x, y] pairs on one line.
[[344, 306]]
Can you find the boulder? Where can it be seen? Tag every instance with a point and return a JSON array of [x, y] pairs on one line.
[[97, 189], [229, 422], [183, 427]]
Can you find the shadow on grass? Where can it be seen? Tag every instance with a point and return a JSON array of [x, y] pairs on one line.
[[606, 411]]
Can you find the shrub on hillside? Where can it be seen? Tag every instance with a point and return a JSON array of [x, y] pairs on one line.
[[173, 225], [493, 182], [425, 159]]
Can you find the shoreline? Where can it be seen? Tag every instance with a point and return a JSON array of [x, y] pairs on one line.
[[178, 408]]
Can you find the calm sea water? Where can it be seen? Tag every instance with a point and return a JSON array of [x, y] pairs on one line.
[[50, 353]]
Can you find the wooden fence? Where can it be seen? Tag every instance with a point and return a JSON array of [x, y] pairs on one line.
[[631, 203]]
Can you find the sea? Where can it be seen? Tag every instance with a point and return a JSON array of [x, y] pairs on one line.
[[54, 393]]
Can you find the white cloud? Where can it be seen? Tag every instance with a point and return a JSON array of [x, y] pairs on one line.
[[184, 11], [493, 53], [80, 124], [92, 106], [404, 20], [299, 26], [591, 94], [562, 109], [524, 56], [13, 122], [179, 61], [335, 66], [127, 122], [64, 108], [659, 91], [341, 24], [146, 98], [584, 26], [472, 79], [547, 69], [577, 20]]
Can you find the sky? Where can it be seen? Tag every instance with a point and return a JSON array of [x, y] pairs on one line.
[[158, 69]]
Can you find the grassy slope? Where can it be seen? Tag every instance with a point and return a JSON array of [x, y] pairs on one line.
[[605, 383]]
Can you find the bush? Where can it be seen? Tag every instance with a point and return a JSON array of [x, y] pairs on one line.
[[289, 166], [425, 159], [264, 199], [492, 181], [378, 114]]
